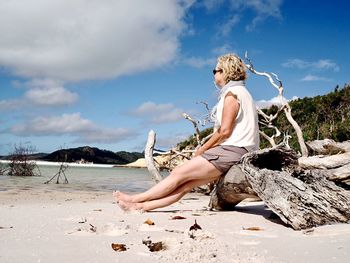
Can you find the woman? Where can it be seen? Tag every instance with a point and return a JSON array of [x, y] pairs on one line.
[[235, 133]]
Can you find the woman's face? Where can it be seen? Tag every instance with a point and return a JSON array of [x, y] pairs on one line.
[[219, 76]]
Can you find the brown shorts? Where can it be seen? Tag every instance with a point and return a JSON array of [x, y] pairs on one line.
[[224, 156]]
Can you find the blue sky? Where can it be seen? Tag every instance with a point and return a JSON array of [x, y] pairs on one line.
[[103, 73]]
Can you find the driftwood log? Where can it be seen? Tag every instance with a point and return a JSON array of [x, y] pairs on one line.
[[301, 198], [156, 176], [231, 189], [332, 157]]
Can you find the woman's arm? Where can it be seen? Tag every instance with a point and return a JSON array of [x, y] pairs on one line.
[[229, 114]]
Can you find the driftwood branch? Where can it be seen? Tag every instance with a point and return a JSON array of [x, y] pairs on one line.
[[61, 173], [268, 138], [207, 117], [195, 125], [288, 112], [267, 121], [149, 157], [272, 77]]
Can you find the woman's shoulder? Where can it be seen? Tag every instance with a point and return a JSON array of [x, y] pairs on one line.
[[237, 90]]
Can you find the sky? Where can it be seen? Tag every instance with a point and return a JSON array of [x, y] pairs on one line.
[[105, 73]]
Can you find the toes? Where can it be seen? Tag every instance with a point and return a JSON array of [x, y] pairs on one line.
[[123, 205]]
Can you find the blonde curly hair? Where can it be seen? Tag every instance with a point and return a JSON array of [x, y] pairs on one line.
[[233, 67]]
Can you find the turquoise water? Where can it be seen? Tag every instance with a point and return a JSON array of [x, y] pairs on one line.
[[83, 179]]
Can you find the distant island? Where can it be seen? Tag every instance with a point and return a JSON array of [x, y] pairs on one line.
[[86, 154]]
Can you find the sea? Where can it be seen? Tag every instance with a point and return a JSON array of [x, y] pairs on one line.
[[83, 178]]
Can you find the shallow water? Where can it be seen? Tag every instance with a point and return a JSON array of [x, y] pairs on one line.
[[83, 179]]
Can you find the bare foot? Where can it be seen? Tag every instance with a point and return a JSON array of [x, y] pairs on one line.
[[128, 206], [119, 196]]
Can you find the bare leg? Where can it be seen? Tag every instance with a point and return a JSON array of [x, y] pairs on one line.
[[197, 168], [165, 201]]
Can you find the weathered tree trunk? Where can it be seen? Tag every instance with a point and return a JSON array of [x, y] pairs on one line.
[[156, 176], [333, 157], [328, 146], [301, 198], [231, 189]]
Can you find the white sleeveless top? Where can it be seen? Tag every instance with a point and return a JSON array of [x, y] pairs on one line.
[[246, 130]]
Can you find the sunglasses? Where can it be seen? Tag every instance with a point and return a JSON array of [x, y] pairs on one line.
[[216, 71]]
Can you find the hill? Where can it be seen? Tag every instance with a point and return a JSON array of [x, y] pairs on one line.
[[320, 117], [92, 154]]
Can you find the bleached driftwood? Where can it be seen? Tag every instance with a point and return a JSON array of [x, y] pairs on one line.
[[328, 146], [340, 174], [324, 162], [156, 176], [333, 159], [285, 105], [301, 198], [267, 121], [195, 125], [61, 173], [231, 189]]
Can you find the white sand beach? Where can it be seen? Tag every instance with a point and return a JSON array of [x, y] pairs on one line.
[[56, 226]]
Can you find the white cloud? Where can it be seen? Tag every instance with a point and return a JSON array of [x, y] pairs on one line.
[[310, 77], [41, 92], [49, 93], [171, 141], [158, 113], [226, 48], [150, 108], [326, 64], [262, 8], [296, 63], [56, 125], [106, 135], [212, 4], [169, 116], [78, 40], [9, 105], [322, 64], [265, 104], [198, 62], [227, 27], [70, 124]]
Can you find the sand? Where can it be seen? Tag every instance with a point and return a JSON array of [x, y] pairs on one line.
[[54, 226]]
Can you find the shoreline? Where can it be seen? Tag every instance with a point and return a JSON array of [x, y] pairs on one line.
[[35, 224], [138, 164], [48, 163]]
